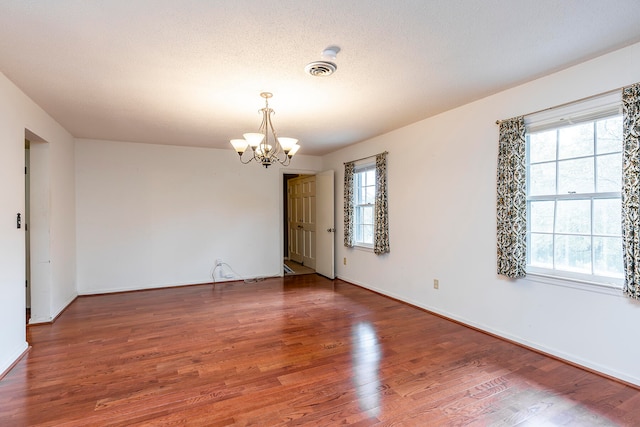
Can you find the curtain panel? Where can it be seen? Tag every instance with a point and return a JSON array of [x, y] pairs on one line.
[[631, 190], [381, 222], [512, 199], [349, 201]]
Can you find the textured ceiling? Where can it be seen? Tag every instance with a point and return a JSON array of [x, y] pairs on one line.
[[190, 72]]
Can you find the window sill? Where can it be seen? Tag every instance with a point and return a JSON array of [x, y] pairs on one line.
[[365, 248], [602, 288]]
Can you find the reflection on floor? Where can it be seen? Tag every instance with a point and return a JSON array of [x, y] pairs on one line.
[[296, 269]]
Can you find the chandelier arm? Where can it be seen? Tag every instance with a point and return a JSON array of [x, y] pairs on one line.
[[276, 143], [263, 130], [253, 157], [267, 125], [286, 161], [264, 125]]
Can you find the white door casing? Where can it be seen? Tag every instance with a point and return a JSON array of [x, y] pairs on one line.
[[302, 220], [293, 205]]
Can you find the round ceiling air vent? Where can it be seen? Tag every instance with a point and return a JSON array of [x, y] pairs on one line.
[[321, 68]]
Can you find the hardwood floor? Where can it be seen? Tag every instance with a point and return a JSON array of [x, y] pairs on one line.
[[300, 350]]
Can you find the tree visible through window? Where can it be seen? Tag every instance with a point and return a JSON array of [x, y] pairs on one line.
[[573, 199]]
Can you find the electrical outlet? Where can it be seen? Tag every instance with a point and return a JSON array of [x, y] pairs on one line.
[[344, 261], [218, 262], [436, 284]]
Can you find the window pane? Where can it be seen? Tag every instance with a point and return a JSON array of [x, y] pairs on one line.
[[541, 216], [573, 253], [575, 176], [609, 173], [358, 215], [542, 179], [542, 146], [607, 214], [367, 234], [370, 194], [573, 216], [362, 196], [609, 135], [542, 250], [357, 182], [367, 217], [607, 254], [370, 177], [575, 141]]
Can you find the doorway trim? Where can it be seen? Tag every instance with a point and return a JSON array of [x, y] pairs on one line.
[[39, 223], [281, 183]]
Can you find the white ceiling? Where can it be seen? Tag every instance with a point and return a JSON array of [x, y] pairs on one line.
[[190, 72]]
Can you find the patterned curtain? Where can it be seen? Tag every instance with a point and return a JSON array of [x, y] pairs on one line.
[[381, 236], [631, 190], [349, 169], [512, 199]]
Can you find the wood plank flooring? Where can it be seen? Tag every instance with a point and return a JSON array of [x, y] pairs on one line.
[[300, 350]]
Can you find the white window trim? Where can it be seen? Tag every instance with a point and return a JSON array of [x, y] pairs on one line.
[[361, 166], [577, 283], [589, 109], [580, 111], [363, 247]]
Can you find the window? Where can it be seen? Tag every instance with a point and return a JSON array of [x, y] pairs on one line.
[[366, 212], [364, 182], [574, 180]]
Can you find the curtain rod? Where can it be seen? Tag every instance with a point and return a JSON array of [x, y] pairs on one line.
[[364, 158], [569, 103]]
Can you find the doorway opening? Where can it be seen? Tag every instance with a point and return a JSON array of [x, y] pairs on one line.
[[36, 225], [27, 240], [299, 231], [308, 223]]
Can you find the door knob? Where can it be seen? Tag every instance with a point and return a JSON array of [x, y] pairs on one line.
[[331, 230]]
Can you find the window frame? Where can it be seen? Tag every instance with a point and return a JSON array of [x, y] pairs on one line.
[[360, 168], [589, 110]]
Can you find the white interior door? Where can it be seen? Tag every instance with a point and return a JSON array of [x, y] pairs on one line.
[[294, 219], [325, 225], [302, 220]]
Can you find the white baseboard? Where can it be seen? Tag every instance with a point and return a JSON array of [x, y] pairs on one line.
[[570, 358], [13, 358], [40, 320]]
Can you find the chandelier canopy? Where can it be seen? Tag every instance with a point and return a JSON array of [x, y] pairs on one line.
[[266, 147]]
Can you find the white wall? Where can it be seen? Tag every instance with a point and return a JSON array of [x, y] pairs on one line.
[[155, 215], [17, 114], [442, 196]]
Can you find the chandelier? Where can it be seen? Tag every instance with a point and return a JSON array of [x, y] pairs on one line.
[[266, 147]]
